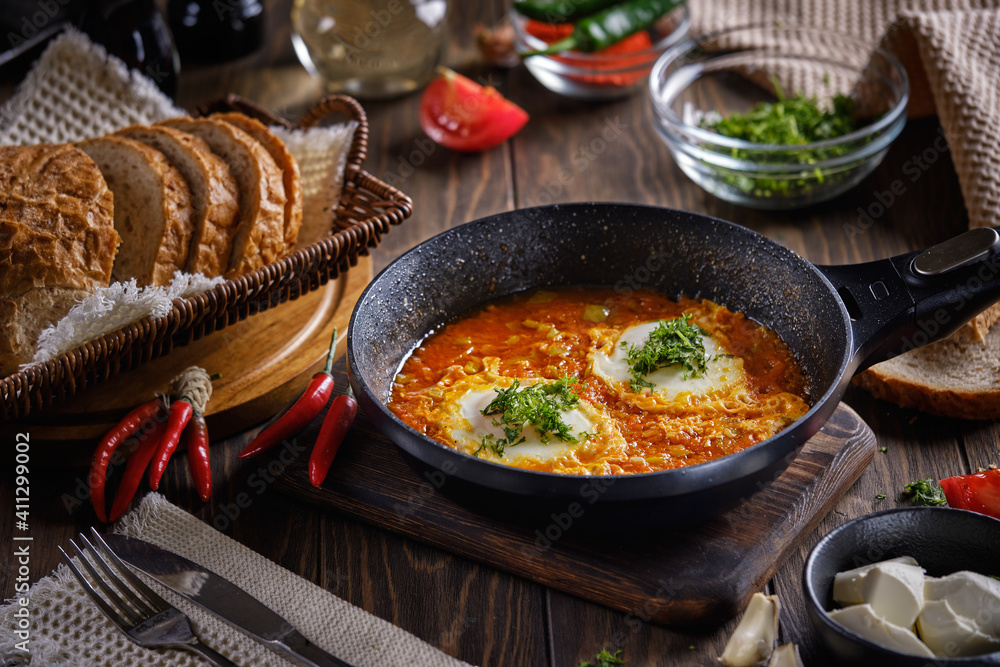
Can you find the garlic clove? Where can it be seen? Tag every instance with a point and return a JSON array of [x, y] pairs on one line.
[[786, 655], [753, 640]]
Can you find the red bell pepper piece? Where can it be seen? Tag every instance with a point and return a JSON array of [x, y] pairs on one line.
[[978, 492]]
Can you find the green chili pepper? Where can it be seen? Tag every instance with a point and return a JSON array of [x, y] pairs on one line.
[[560, 11], [610, 26]]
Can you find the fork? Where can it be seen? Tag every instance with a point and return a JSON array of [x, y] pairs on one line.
[[147, 618]]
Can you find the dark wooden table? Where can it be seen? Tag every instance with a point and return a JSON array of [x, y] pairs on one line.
[[476, 613]]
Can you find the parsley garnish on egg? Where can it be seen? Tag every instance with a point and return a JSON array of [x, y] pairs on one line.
[[672, 343], [538, 405]]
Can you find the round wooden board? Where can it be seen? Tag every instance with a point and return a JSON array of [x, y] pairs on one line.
[[264, 361]]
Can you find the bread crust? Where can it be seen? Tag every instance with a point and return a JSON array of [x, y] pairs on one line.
[[259, 239], [150, 254], [286, 162], [978, 328], [56, 220], [957, 377], [214, 194], [23, 317]]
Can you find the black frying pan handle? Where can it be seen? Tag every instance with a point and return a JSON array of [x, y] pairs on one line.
[[910, 300]]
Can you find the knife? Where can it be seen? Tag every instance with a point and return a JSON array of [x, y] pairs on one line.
[[223, 599]]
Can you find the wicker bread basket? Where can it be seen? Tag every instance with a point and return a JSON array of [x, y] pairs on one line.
[[366, 210]]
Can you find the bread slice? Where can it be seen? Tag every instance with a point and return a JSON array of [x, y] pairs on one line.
[[153, 211], [214, 194], [25, 316], [955, 377], [259, 239], [977, 328], [291, 178], [57, 241]]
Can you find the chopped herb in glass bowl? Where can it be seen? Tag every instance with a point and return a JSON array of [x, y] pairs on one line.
[[731, 128]]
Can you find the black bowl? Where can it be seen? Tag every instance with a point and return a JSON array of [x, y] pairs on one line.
[[942, 540]]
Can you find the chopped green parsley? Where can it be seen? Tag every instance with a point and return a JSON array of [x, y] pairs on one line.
[[606, 659], [925, 492], [538, 405], [788, 121], [671, 343]]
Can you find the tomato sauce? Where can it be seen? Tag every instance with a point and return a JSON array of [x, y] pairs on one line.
[[555, 333]]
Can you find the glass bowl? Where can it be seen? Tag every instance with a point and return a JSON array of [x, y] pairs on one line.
[[589, 76], [733, 70]]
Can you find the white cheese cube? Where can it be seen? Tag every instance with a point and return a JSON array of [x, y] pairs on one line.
[[896, 592], [950, 635], [862, 620], [971, 595], [848, 586]]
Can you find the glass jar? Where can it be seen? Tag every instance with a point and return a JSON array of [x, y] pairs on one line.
[[370, 49]]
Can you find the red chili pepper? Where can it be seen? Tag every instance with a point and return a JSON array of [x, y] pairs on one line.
[[299, 415], [135, 467], [196, 441], [978, 492], [127, 427], [338, 419], [180, 414]]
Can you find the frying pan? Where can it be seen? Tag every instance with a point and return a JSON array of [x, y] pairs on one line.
[[835, 319]]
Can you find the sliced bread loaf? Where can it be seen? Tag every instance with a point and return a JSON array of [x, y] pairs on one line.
[[956, 377], [153, 212], [57, 241], [259, 239], [214, 194], [285, 161]]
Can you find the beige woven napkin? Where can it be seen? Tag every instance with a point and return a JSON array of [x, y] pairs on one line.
[[68, 629]]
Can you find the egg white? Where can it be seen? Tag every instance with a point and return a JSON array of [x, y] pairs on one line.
[[469, 426], [610, 364]]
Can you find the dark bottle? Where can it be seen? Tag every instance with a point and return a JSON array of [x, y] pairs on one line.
[[216, 31], [136, 32]]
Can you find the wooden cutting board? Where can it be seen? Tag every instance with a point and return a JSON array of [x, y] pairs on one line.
[[264, 361], [698, 575]]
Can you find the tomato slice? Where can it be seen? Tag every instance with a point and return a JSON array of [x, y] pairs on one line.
[[459, 113], [978, 492]]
